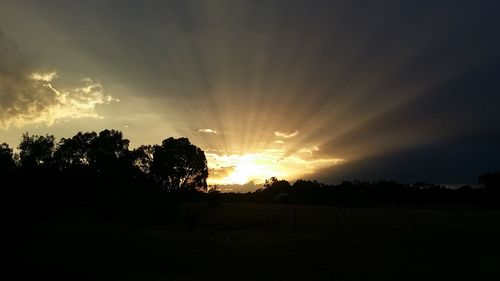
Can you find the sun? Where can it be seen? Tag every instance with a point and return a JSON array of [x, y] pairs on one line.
[[257, 166], [246, 170]]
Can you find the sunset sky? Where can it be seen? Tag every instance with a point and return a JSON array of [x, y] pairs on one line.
[[326, 90]]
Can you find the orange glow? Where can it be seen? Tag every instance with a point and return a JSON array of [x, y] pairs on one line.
[[259, 166]]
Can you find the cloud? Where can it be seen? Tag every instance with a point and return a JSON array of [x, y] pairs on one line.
[[239, 188], [28, 94], [207, 131], [46, 77], [221, 172], [308, 150], [286, 135], [232, 168]]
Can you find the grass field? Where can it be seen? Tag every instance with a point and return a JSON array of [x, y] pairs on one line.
[[268, 242]]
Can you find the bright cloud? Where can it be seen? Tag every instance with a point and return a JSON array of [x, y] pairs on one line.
[[308, 150], [37, 101], [261, 165], [28, 94], [47, 77], [286, 135], [207, 131]]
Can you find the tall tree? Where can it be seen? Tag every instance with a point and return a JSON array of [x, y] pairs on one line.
[[7, 162], [143, 158], [74, 151], [180, 165], [36, 151], [109, 151]]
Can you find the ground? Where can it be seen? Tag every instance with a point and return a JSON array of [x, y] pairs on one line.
[[267, 242]]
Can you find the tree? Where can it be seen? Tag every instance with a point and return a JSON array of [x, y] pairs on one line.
[[74, 151], [277, 186], [490, 181], [36, 151], [7, 162], [142, 158], [180, 165], [109, 151]]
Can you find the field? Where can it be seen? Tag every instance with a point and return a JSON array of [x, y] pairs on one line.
[[266, 242]]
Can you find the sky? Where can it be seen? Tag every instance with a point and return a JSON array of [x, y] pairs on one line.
[[326, 90]]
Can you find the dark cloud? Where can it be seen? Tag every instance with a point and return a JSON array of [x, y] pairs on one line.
[[453, 161]]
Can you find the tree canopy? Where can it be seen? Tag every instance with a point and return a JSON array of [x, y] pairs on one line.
[[94, 166], [180, 165], [36, 151], [175, 165], [7, 162]]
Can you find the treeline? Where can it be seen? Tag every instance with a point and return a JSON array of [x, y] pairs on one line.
[[174, 165], [98, 171], [46, 177], [373, 194]]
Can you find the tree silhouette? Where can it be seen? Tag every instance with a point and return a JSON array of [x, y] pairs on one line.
[[180, 165], [490, 181], [143, 158], [36, 151], [98, 169], [7, 163], [109, 151], [277, 186], [74, 151]]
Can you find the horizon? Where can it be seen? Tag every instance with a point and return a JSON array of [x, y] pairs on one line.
[[234, 184]]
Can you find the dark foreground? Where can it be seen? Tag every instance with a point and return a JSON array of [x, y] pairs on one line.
[[264, 242]]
